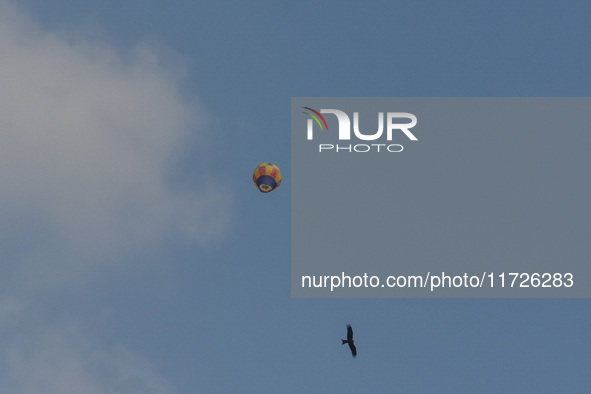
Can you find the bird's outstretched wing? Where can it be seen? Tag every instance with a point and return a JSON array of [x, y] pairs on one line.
[[353, 349], [350, 340], [349, 333]]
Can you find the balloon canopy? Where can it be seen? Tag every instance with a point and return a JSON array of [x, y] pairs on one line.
[[267, 177]]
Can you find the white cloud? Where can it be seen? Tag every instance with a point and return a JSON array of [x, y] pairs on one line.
[[63, 360], [86, 140]]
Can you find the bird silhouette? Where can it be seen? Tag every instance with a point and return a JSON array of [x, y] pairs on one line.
[[350, 341]]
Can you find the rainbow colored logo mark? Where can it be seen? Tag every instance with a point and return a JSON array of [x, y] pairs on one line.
[[316, 118]]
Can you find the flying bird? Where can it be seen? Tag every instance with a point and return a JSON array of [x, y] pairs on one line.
[[350, 341]]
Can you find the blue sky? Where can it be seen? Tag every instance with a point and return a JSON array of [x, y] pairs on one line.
[[137, 256]]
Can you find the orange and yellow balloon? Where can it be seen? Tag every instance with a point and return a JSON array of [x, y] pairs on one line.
[[267, 177]]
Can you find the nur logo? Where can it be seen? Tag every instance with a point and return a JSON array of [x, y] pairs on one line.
[[392, 125]]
